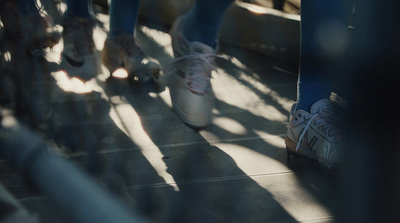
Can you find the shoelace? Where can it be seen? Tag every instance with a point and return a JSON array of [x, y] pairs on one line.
[[324, 119], [304, 131], [328, 122], [199, 75]]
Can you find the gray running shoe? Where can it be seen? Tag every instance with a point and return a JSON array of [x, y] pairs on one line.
[[315, 135], [190, 87], [123, 52], [78, 57]]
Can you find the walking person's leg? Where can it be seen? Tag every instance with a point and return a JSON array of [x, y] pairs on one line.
[[120, 51], [194, 41], [78, 56], [314, 130]]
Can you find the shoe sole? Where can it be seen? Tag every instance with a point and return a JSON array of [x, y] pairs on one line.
[[291, 149], [194, 110], [304, 153]]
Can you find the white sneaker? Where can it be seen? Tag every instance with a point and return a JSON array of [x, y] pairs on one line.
[[315, 135], [190, 87]]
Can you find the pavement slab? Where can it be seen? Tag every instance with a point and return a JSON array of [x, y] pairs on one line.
[[128, 137]]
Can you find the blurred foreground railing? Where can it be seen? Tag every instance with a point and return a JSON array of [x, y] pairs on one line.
[[74, 191]]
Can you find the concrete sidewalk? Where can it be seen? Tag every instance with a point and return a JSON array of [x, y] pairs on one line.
[[235, 170]]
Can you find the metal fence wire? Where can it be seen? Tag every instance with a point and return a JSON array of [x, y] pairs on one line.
[[34, 141]]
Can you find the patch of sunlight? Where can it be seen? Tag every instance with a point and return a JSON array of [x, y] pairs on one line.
[[274, 140], [99, 36], [277, 179], [40, 6], [62, 7], [161, 38], [250, 79], [8, 121], [243, 95], [117, 99], [128, 121], [104, 74], [73, 84], [230, 125], [120, 73], [105, 19], [153, 95], [236, 62], [53, 54], [165, 97], [216, 112], [256, 9], [7, 56], [239, 96], [270, 112], [259, 10], [209, 136], [251, 161]]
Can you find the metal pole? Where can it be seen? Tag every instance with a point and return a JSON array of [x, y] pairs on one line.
[[74, 191]]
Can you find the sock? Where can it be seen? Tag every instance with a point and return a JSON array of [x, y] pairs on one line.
[[202, 23], [123, 17]]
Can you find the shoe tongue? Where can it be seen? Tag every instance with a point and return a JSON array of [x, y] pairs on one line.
[[199, 47], [323, 103]]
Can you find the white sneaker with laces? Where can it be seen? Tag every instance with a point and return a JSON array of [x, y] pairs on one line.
[[189, 83], [315, 135]]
